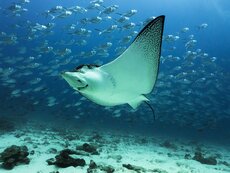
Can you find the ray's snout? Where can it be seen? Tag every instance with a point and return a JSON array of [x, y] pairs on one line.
[[64, 74], [69, 76], [74, 79]]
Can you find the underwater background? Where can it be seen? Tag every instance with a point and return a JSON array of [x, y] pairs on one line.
[[40, 39]]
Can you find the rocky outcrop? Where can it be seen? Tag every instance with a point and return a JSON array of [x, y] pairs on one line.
[[137, 169], [88, 148], [94, 168], [64, 159], [13, 156], [208, 160], [169, 145], [140, 169]]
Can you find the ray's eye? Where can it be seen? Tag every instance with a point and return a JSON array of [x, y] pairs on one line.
[[79, 81], [78, 68]]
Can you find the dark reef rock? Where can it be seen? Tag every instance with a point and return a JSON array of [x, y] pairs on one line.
[[64, 159], [107, 169], [28, 139], [138, 169], [52, 151], [92, 167], [51, 161], [32, 152], [13, 156], [187, 156], [19, 134], [88, 148], [169, 145], [67, 152], [208, 160], [157, 170]]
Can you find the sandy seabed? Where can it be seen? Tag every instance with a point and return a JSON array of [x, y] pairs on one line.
[[144, 154]]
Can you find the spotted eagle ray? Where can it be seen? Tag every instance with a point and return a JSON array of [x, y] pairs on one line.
[[128, 78]]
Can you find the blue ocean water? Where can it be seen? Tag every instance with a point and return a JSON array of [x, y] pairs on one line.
[[192, 94]]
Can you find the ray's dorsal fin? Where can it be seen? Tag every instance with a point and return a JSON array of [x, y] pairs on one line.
[[136, 69]]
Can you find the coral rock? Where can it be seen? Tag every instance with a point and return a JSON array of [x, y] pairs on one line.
[[88, 148], [134, 168], [64, 160], [107, 169], [200, 158], [14, 155]]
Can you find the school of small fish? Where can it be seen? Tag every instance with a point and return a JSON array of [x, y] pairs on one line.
[[35, 46]]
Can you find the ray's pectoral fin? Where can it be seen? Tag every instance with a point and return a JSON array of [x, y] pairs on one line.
[[139, 64], [137, 101]]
